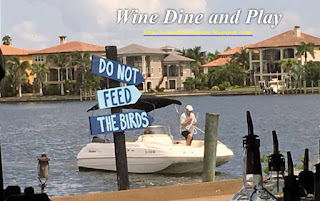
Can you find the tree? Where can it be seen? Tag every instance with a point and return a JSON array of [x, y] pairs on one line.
[[230, 72], [201, 81], [312, 72], [40, 70], [17, 72], [305, 48], [183, 51], [210, 56], [85, 79], [62, 61], [199, 57], [242, 58], [6, 40], [189, 83], [227, 48], [287, 64], [297, 74]]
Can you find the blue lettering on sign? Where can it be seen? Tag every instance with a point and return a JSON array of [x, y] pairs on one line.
[[115, 70], [119, 122], [118, 96]]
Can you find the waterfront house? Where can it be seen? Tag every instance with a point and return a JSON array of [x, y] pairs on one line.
[[265, 64], [54, 75], [161, 68], [22, 54], [224, 58]]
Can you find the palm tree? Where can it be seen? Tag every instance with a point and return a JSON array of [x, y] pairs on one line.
[[287, 64], [199, 57], [61, 60], [242, 58], [82, 63], [189, 83], [227, 48], [17, 71], [40, 70], [183, 51], [202, 80], [298, 74], [6, 40], [210, 56], [305, 48]]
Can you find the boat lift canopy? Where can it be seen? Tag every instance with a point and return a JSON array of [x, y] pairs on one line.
[[147, 103]]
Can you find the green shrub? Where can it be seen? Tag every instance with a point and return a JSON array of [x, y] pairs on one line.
[[49, 90], [204, 88], [224, 85], [215, 88]]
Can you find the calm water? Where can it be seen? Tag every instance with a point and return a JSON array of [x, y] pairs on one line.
[[61, 129]]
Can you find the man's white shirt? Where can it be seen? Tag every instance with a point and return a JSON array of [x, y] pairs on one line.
[[184, 118]]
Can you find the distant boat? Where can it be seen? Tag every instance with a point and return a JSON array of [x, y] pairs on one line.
[[275, 85], [155, 151]]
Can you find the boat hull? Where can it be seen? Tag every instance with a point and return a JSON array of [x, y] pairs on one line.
[[151, 157]]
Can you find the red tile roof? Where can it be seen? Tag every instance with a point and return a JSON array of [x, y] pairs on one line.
[[217, 62], [231, 51], [13, 51], [72, 46], [286, 39]]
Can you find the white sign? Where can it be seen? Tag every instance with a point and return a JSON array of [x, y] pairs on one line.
[[118, 96]]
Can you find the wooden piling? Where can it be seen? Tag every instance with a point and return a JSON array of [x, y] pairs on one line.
[[255, 88], [317, 183], [319, 86], [305, 87], [312, 86], [210, 147]]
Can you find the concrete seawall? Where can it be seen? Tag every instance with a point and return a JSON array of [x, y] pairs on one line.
[[213, 191]]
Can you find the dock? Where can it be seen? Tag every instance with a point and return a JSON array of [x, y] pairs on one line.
[[207, 191]]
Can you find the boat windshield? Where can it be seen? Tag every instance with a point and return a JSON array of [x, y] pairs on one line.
[[157, 130]]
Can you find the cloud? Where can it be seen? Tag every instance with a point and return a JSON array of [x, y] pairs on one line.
[[26, 33], [101, 15]]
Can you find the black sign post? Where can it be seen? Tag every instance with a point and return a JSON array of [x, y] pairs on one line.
[[2, 73], [119, 137]]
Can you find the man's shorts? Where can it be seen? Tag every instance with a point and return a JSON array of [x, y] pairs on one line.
[[185, 134]]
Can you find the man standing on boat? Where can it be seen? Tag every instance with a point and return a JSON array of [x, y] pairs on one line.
[[187, 121]]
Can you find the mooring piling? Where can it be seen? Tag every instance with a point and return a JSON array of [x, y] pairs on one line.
[[210, 146]]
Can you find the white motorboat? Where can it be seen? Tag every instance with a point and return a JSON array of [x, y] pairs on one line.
[[155, 151], [275, 85]]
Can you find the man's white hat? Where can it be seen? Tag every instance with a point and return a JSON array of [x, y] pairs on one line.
[[189, 108]]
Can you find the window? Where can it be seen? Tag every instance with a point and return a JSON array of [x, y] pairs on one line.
[[173, 70], [165, 71], [38, 58], [288, 53], [53, 75], [172, 84]]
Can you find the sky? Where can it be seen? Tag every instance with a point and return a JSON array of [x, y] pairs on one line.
[[37, 24]]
